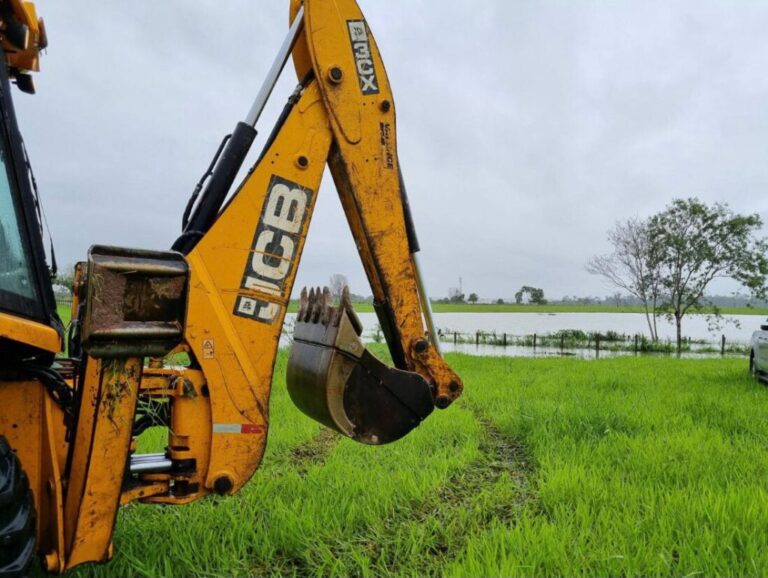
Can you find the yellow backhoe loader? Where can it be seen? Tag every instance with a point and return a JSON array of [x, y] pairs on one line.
[[187, 338]]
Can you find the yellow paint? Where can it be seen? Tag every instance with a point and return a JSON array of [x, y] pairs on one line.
[[29, 332], [93, 494], [29, 59], [33, 426]]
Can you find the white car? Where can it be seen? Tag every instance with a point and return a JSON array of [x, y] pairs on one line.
[[758, 355]]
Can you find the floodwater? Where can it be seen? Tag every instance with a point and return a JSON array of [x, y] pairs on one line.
[[736, 328]]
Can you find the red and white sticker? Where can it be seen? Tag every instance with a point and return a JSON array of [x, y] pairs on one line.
[[238, 428]]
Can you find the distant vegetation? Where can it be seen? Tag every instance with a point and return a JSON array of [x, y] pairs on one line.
[[559, 307], [533, 294], [363, 305]]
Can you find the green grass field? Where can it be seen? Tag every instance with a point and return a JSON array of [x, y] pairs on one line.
[[632, 466]]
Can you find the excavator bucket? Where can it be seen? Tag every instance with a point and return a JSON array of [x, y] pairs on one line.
[[335, 380]]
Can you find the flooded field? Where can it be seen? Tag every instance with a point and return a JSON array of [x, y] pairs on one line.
[[736, 328]]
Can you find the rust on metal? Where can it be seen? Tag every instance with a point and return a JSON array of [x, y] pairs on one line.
[[136, 302]]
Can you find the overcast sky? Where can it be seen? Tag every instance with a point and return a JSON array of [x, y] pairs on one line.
[[525, 129]]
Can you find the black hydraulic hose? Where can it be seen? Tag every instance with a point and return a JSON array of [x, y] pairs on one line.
[[410, 229], [292, 100], [201, 183], [222, 177], [289, 106]]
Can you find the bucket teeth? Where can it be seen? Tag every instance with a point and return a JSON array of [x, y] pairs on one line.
[[327, 305], [303, 304], [317, 306], [335, 380]]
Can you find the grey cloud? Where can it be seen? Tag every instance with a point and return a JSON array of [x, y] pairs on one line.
[[525, 128]]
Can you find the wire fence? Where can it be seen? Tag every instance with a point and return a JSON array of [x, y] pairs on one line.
[[609, 341]]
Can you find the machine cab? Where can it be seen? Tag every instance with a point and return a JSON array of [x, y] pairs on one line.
[[29, 324]]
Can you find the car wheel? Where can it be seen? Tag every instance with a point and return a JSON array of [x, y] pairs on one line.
[[17, 516], [752, 365]]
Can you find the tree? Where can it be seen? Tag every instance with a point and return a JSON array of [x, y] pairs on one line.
[[499, 301], [694, 244], [65, 279], [535, 295], [336, 284], [633, 266], [455, 295], [473, 297]]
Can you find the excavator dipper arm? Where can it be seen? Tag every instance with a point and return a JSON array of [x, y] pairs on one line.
[[244, 267], [339, 49]]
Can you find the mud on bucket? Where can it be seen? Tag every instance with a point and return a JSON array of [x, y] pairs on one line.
[[335, 380]]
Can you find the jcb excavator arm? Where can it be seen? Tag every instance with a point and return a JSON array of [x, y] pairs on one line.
[[222, 305], [243, 268]]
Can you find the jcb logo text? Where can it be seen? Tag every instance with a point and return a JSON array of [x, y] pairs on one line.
[[274, 250]]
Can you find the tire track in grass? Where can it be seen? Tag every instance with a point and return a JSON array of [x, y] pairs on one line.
[[306, 456], [493, 489], [419, 541], [503, 456]]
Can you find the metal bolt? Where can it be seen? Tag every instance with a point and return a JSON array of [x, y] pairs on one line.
[[335, 74], [385, 106], [222, 485], [442, 401], [421, 345], [302, 161]]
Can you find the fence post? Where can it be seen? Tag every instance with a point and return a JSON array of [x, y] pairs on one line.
[[477, 338], [534, 341], [505, 339], [597, 345], [455, 338], [636, 337], [562, 343], [722, 346]]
